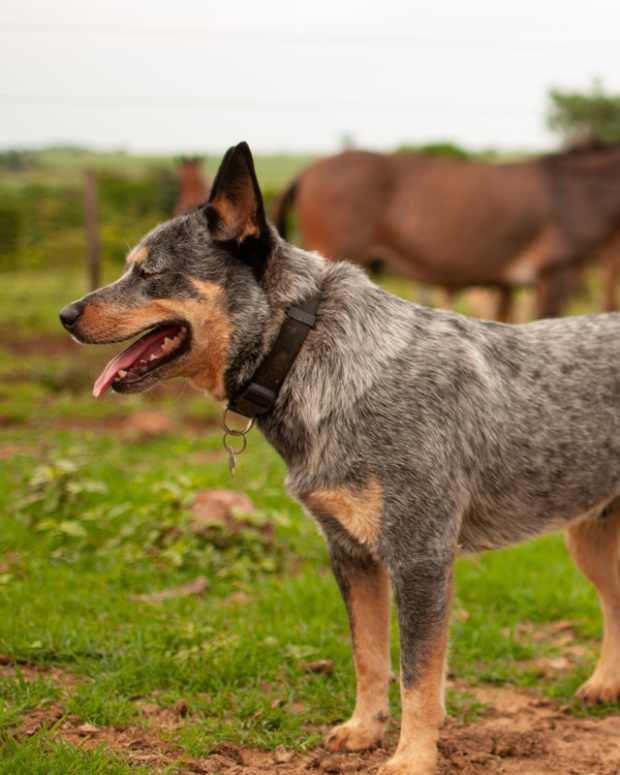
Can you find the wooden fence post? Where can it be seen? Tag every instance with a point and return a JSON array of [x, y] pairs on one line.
[[92, 230]]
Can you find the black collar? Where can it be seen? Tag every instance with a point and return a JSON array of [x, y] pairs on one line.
[[259, 394]]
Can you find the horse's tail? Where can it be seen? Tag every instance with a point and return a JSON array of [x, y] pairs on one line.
[[282, 206]]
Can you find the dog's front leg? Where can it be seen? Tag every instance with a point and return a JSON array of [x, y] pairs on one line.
[[423, 594], [366, 590]]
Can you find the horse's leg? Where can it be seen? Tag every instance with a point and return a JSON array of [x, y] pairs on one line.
[[504, 308], [610, 271], [449, 295], [552, 290]]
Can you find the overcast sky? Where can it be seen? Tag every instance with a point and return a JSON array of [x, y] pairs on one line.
[[197, 76]]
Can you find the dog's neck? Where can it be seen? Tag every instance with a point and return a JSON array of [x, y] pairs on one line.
[[292, 276], [336, 364]]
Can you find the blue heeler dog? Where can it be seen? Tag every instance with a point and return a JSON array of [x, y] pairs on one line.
[[410, 434]]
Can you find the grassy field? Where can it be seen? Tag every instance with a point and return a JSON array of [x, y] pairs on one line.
[[97, 517], [65, 167]]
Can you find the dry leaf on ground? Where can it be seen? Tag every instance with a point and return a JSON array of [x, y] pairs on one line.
[[194, 587]]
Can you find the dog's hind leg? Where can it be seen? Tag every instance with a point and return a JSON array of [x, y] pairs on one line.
[[595, 547], [366, 590]]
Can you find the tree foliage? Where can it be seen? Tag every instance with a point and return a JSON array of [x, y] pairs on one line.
[[590, 115]]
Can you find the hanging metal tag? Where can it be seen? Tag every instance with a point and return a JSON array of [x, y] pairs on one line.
[[234, 449]]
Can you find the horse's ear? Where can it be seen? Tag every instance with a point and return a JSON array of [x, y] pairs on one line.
[[235, 211]]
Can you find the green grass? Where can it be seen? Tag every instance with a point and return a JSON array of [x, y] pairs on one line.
[[91, 517], [45, 755]]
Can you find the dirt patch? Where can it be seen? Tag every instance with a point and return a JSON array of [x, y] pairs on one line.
[[37, 344], [559, 635], [541, 742], [8, 451], [139, 425], [520, 733], [62, 679]]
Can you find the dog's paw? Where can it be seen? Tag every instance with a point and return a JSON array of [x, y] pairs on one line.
[[401, 765], [357, 735], [599, 690]]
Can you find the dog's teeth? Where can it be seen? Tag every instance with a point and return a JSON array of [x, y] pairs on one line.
[[121, 373], [169, 343], [153, 357]]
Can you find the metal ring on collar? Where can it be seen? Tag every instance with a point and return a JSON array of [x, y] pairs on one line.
[[237, 435], [235, 431]]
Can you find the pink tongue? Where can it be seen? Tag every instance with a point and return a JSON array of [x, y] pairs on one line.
[[128, 357]]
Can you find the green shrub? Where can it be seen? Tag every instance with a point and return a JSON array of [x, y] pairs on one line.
[[437, 149], [10, 229], [155, 193]]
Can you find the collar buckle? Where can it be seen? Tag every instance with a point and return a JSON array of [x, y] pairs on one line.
[[254, 401]]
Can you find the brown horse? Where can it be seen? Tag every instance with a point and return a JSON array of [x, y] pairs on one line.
[[193, 185], [459, 223]]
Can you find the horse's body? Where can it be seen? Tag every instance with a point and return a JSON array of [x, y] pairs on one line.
[[458, 223], [193, 185]]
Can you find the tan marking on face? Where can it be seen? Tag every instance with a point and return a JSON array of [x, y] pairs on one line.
[[359, 512], [137, 255], [104, 321], [211, 330], [205, 363]]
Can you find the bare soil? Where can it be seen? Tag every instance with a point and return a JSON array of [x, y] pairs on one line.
[[519, 733]]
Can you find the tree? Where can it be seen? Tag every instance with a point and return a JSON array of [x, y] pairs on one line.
[[593, 115]]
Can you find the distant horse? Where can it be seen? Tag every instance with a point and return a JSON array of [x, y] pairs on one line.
[[458, 223], [193, 185]]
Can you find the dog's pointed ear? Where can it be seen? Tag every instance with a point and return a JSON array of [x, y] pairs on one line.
[[235, 210]]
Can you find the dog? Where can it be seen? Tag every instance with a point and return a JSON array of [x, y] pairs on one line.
[[410, 434]]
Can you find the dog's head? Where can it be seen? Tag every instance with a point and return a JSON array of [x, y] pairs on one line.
[[190, 291]]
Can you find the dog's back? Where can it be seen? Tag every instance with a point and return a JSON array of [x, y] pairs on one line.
[[518, 426]]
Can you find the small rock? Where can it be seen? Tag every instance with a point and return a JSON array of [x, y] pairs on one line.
[[217, 507], [148, 423], [87, 729], [180, 708], [194, 587], [317, 666], [282, 756], [150, 708], [333, 763], [238, 598]]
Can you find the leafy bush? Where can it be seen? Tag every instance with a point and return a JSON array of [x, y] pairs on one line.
[[10, 230], [13, 160], [437, 149], [155, 193], [78, 514], [591, 115], [42, 225]]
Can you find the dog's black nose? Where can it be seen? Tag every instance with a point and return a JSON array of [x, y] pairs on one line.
[[70, 314]]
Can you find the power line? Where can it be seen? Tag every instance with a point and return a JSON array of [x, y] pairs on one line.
[[260, 36], [262, 103]]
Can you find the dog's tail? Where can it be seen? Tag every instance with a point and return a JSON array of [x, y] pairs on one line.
[[282, 206]]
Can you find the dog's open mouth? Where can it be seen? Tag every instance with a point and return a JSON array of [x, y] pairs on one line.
[[158, 346]]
